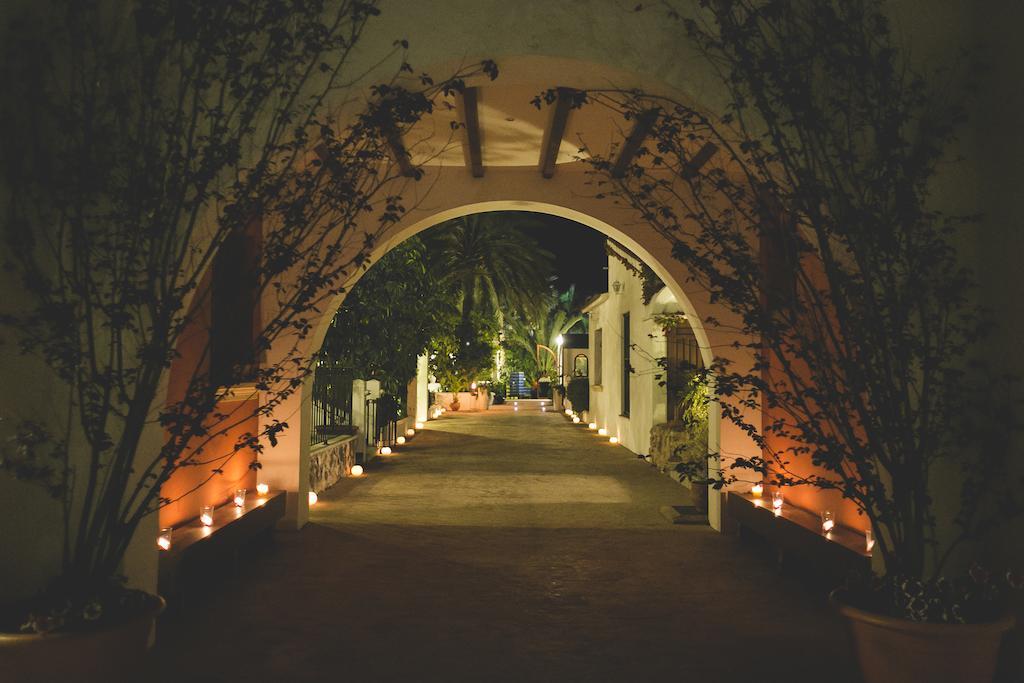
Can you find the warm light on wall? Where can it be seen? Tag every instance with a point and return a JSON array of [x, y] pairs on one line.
[[163, 541], [756, 490], [206, 515], [386, 450], [613, 439], [262, 489], [400, 440], [828, 522], [602, 432], [239, 498], [313, 498], [357, 470]]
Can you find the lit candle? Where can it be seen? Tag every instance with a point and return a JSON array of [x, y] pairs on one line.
[[400, 440], [163, 541], [614, 439], [262, 489], [410, 432], [206, 515], [777, 502], [828, 521], [575, 420], [869, 540], [357, 470], [756, 490], [592, 425], [239, 498], [313, 498], [602, 432]]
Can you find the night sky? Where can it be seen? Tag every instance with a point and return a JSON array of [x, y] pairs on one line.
[[580, 257]]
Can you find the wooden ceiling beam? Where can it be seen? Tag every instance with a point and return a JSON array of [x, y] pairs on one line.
[[471, 133], [399, 153], [642, 125], [698, 160], [555, 131]]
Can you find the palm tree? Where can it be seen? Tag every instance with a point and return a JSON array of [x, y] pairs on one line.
[[556, 315], [493, 263]]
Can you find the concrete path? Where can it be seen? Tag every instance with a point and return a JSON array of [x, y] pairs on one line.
[[506, 546]]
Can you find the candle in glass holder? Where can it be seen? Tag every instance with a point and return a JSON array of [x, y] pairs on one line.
[[777, 502], [206, 515], [239, 498], [828, 522], [262, 489], [756, 490], [163, 541], [869, 540]]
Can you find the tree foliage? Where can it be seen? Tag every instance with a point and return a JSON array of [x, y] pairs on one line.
[[814, 223]]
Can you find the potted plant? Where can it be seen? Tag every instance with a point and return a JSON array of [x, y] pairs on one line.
[[805, 206], [128, 198]]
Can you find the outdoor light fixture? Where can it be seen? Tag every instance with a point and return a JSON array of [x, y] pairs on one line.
[[575, 419], [869, 540], [163, 541], [385, 450], [473, 386], [756, 490], [613, 440], [602, 432], [616, 286], [515, 403], [400, 440], [828, 522], [559, 340], [357, 470], [313, 498], [543, 409], [262, 489], [419, 425], [592, 425], [410, 432], [515, 408], [777, 502], [206, 515], [568, 411]]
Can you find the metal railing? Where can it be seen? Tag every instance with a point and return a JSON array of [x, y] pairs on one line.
[[380, 421], [331, 404]]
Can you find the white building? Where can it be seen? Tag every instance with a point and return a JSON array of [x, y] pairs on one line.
[[628, 385]]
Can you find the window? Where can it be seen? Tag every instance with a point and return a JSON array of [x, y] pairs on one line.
[[235, 307], [580, 365], [683, 359], [626, 367], [598, 349]]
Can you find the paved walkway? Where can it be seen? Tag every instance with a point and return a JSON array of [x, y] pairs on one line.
[[506, 546]]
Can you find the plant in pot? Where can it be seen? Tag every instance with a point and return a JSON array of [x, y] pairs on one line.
[[157, 182], [806, 208]]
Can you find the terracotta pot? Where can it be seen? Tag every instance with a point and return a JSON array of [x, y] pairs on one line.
[[455, 405], [892, 650], [112, 654]]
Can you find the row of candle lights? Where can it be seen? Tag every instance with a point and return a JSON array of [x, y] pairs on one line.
[[592, 426], [828, 518], [163, 541]]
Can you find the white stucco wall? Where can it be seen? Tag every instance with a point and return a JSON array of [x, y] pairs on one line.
[[647, 400]]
